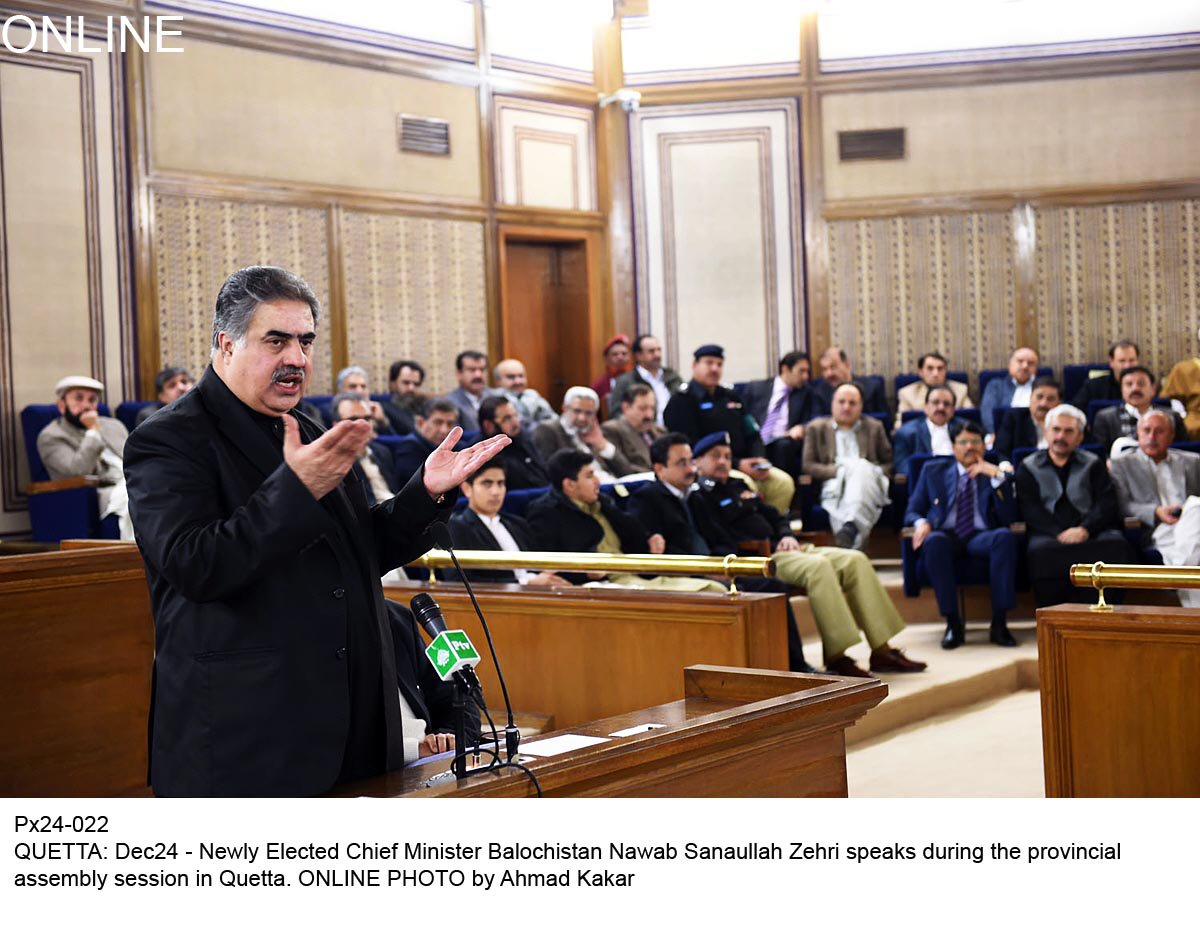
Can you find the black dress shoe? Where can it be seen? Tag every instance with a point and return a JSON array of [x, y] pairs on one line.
[[847, 535], [803, 667], [1000, 635], [845, 666], [956, 634]]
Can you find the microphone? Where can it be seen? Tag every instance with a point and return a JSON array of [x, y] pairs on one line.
[[512, 736], [449, 651]]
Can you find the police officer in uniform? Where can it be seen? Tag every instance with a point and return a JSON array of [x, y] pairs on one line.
[[836, 580], [704, 406]]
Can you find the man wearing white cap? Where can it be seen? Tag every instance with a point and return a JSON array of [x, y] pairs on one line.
[[81, 442]]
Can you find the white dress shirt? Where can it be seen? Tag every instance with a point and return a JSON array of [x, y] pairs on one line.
[[846, 442], [1021, 394], [661, 394], [506, 542], [939, 438]]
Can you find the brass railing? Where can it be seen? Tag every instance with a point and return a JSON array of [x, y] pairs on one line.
[[1100, 575], [730, 566]]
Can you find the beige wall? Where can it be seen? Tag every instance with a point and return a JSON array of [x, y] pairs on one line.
[[306, 121], [1021, 136]]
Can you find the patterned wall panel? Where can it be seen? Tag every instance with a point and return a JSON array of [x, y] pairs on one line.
[[907, 285], [199, 242], [414, 289], [1109, 271]]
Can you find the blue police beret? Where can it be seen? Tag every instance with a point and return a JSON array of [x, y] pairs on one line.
[[708, 442], [705, 351]]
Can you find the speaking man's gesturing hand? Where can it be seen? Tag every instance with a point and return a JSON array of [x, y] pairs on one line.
[[322, 464], [446, 470]]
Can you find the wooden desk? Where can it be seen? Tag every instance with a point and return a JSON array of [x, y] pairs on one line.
[[1120, 701], [735, 733], [582, 654]]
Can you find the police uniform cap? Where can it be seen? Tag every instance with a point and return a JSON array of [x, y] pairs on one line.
[[706, 443], [709, 351]]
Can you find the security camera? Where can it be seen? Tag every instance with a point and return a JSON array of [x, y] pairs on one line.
[[628, 99]]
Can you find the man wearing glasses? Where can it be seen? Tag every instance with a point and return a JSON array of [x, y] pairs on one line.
[[960, 513]]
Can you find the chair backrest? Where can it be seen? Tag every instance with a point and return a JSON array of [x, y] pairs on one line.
[[34, 419], [739, 388], [324, 404], [1074, 377], [917, 464], [127, 412], [901, 381], [1190, 446], [1094, 407]]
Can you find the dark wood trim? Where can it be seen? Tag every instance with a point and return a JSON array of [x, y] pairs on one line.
[[62, 485], [812, 192], [337, 311], [614, 184], [1024, 245], [142, 211], [528, 215]]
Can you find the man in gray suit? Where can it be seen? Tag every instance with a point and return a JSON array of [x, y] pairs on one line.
[[1161, 488], [635, 429], [579, 429], [82, 443], [470, 368]]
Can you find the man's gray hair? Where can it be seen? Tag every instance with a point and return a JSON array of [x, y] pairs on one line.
[[347, 372], [340, 399], [579, 391], [245, 289], [1157, 412], [1071, 411]]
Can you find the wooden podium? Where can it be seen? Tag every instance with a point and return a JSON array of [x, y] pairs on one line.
[[736, 733], [1120, 701]]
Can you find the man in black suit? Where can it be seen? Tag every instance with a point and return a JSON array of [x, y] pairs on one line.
[[274, 670], [1138, 386], [375, 463], [523, 463], [835, 371], [483, 526], [1022, 427], [439, 417], [1107, 386], [782, 406]]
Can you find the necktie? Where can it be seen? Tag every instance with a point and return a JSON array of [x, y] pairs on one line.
[[964, 522], [774, 425]]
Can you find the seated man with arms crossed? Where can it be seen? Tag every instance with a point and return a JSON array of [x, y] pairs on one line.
[[948, 539], [845, 594], [1160, 487]]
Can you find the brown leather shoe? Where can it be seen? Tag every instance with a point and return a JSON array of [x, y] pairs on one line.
[[845, 666], [886, 659]]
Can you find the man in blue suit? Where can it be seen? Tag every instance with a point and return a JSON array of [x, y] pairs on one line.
[[1012, 390], [410, 452], [933, 435], [950, 542]]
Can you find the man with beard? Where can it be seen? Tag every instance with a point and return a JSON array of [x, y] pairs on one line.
[[634, 431], [82, 443], [405, 378], [578, 429], [523, 464]]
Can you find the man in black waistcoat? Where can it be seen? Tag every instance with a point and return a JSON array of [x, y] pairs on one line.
[[275, 667]]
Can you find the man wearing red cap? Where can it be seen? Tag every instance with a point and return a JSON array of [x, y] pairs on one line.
[[616, 363]]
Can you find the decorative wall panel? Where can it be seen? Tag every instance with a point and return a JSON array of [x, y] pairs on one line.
[[414, 289], [545, 154], [200, 242], [1104, 272], [899, 287], [717, 202]]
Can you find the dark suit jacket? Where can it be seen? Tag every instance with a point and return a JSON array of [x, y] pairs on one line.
[[912, 438], [559, 526], [629, 442], [1103, 388], [550, 437], [1016, 431], [467, 532], [1111, 423], [402, 420], [431, 698], [524, 467], [820, 447], [387, 465], [1101, 515], [257, 591], [757, 398], [938, 487], [661, 512], [874, 395]]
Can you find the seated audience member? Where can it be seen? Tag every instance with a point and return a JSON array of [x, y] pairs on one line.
[[405, 378], [663, 507], [523, 465], [82, 443], [782, 406], [483, 526], [704, 406], [1070, 509], [1120, 423], [410, 452], [648, 369], [931, 435], [1107, 386], [353, 380], [578, 429], [426, 701], [375, 462], [633, 430], [532, 408], [1023, 427], [835, 371], [470, 368], [1183, 384], [1160, 487], [575, 517], [843, 589], [1013, 390], [961, 514], [850, 457], [616, 363], [170, 384], [932, 368]]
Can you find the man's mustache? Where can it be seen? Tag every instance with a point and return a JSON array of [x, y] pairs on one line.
[[287, 371]]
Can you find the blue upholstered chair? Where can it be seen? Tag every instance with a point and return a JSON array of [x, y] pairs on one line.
[[1075, 376]]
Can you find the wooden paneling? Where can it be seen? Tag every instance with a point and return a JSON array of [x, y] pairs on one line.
[[1120, 701]]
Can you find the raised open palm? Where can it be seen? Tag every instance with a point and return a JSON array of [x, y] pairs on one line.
[[446, 469]]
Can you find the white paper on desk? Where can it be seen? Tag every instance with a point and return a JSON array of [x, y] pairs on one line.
[[634, 730], [556, 745]]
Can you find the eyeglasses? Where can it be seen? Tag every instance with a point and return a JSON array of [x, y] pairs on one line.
[[969, 441]]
